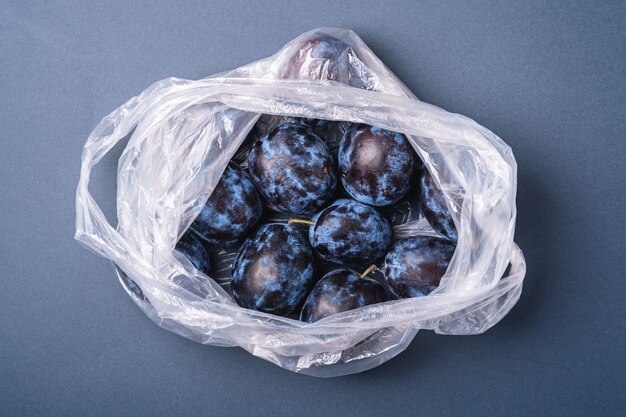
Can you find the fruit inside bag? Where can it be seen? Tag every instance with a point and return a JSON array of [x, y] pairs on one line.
[[202, 149]]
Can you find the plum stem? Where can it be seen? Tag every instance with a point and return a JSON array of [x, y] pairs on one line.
[[371, 268], [300, 221]]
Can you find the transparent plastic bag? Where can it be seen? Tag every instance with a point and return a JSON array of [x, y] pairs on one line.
[[183, 133]]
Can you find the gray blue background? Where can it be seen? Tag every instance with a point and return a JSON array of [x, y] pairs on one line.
[[548, 77]]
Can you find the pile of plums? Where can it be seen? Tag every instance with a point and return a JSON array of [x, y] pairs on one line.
[[318, 260], [333, 183]]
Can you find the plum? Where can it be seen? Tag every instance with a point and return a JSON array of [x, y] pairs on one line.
[[293, 169], [349, 232], [432, 202], [191, 246], [231, 211], [414, 267], [273, 270], [329, 131], [325, 57], [264, 124], [376, 165], [341, 290]]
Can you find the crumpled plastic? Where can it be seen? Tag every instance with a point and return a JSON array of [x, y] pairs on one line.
[[184, 132]]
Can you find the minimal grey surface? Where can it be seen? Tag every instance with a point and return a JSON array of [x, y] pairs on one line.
[[549, 79]]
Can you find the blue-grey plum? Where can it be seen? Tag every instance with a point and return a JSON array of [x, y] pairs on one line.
[[273, 270], [264, 124], [191, 246], [325, 57], [329, 131], [433, 205], [351, 233], [340, 290], [293, 169], [414, 267], [376, 165], [231, 211]]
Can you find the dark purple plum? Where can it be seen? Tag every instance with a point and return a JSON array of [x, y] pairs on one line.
[[264, 124], [414, 267], [329, 131], [273, 270], [191, 246], [376, 165], [432, 202], [325, 57], [340, 290], [293, 169], [231, 211], [351, 233]]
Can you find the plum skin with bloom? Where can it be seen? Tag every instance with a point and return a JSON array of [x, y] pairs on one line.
[[340, 290], [293, 169], [376, 165], [432, 203], [414, 267], [330, 131], [351, 233], [325, 57], [232, 210], [273, 270], [191, 246]]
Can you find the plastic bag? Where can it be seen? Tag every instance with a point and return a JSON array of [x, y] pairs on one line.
[[182, 135]]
